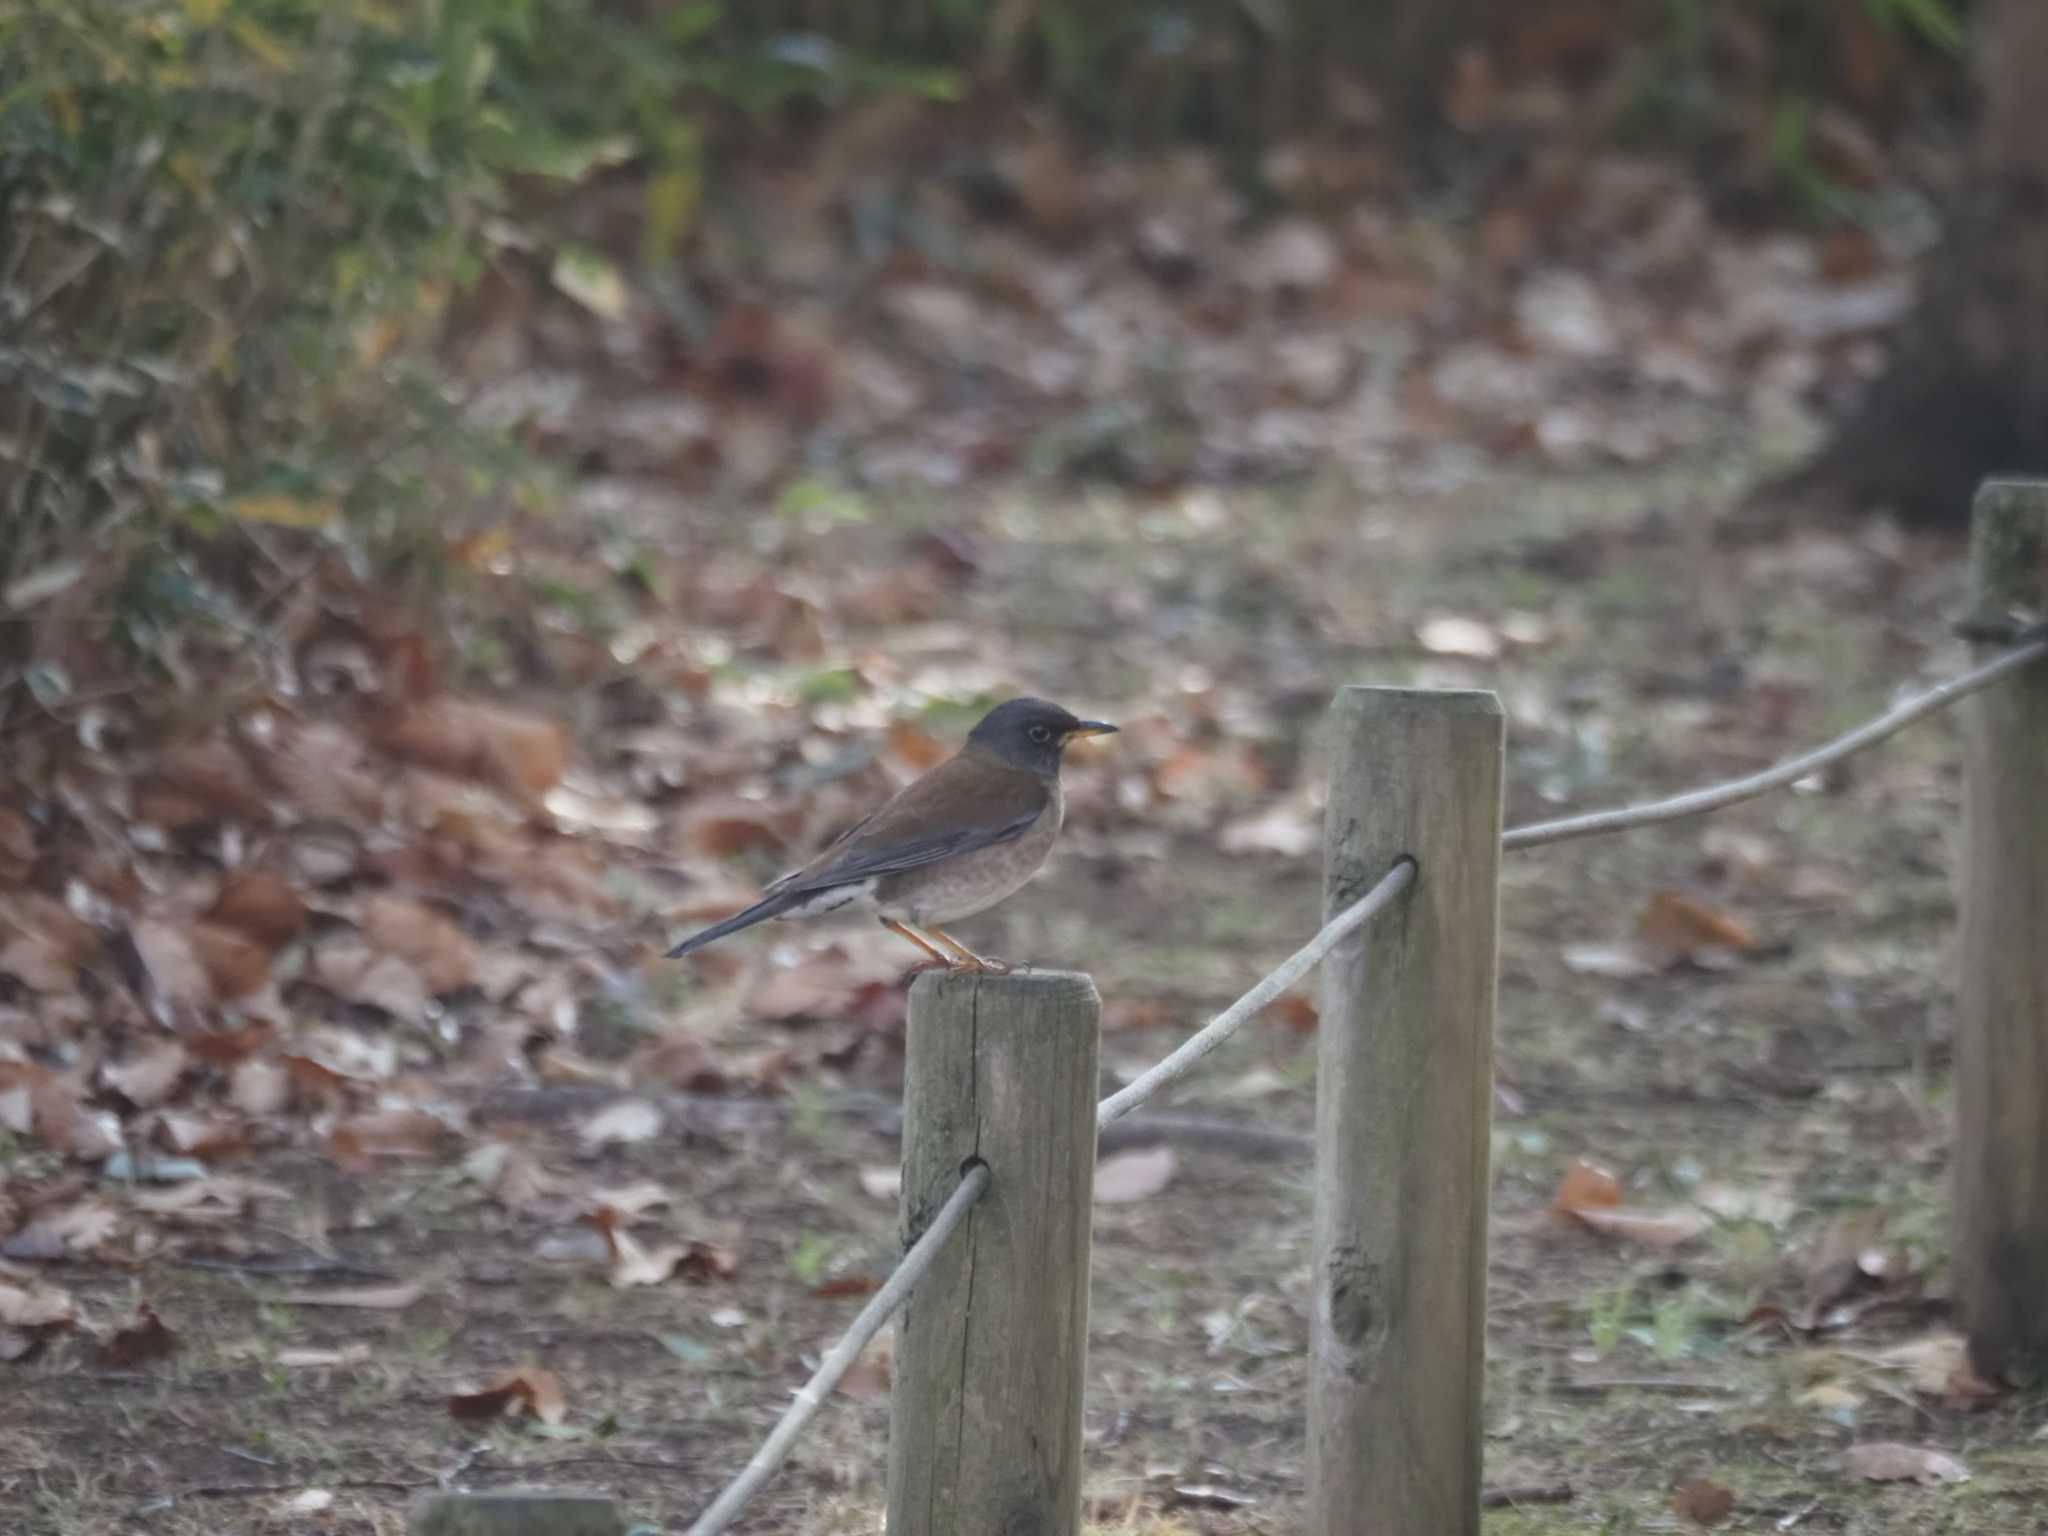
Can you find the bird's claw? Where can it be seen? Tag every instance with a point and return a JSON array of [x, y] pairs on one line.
[[978, 965]]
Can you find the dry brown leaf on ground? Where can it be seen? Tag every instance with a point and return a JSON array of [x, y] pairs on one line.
[[140, 1340], [172, 968], [529, 1388], [1702, 1501], [820, 986], [883, 1183], [1677, 928], [359, 1142], [1585, 1186], [201, 1133], [1938, 1366], [261, 905], [678, 1059], [1296, 1012], [725, 825], [235, 963], [59, 1231], [444, 955], [38, 961], [394, 1297], [150, 1076], [513, 1176], [627, 1203], [1123, 1178], [36, 1305], [1885, 1461], [523, 755], [867, 1379], [1450, 634], [258, 1086], [624, 1123], [633, 1265], [1652, 1229], [1849, 1251], [213, 1199], [195, 781], [357, 973]]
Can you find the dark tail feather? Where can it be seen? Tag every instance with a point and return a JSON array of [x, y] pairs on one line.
[[759, 912]]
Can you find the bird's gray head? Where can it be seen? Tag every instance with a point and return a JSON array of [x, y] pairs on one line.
[[1030, 733]]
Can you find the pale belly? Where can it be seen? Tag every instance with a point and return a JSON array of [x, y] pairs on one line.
[[972, 882]]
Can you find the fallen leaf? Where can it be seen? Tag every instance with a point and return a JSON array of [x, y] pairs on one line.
[[300, 1359], [1652, 1229], [1838, 1266], [36, 1306], [867, 1379], [386, 1298], [1886, 1461], [55, 1233], [207, 1200], [138, 1341], [1615, 962], [172, 968], [678, 1059], [708, 1261], [442, 953], [820, 986], [258, 1086], [726, 826], [1451, 635], [1282, 830], [633, 1265], [149, 1077], [624, 1123], [360, 1141], [1586, 1186], [629, 1202], [1293, 1011], [1702, 1501], [1676, 927], [882, 1183], [1124, 1178], [235, 963], [530, 1388]]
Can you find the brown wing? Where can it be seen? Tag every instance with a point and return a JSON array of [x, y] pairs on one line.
[[967, 802]]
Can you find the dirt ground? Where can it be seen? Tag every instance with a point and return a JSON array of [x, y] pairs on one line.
[[1784, 1088]]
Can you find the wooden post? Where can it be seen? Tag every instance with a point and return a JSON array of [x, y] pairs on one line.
[[2001, 1045], [1404, 1092], [985, 1410]]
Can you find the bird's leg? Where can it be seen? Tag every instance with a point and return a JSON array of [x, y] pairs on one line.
[[906, 931], [968, 960]]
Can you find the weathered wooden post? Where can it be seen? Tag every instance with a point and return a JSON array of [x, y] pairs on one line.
[[1404, 1093], [2001, 1046], [985, 1409]]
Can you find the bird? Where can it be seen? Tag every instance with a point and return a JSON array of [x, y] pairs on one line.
[[953, 842]]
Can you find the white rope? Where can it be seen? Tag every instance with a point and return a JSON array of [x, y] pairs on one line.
[[1228, 1022], [839, 1359], [1699, 801]]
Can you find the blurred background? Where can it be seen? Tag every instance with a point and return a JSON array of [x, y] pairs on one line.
[[484, 484]]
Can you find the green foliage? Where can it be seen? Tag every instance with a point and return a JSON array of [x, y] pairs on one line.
[[229, 229]]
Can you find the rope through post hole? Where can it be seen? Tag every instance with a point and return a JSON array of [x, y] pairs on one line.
[[1699, 801], [1233, 1018], [810, 1397]]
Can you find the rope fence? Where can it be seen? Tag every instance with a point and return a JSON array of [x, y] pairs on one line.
[[976, 1178], [1715, 796]]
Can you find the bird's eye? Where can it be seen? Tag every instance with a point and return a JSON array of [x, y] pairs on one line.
[[1040, 733]]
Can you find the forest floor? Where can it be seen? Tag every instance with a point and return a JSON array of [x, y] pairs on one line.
[[641, 1197]]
